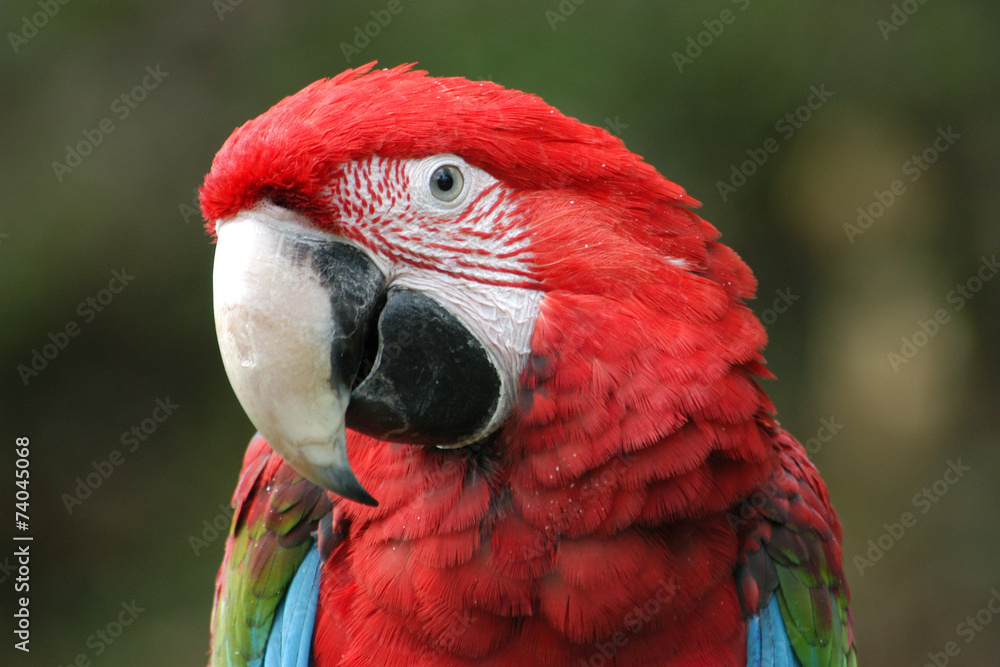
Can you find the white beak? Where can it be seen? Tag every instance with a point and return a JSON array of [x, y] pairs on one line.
[[276, 328]]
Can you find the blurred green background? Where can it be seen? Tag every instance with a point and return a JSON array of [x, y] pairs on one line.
[[698, 89]]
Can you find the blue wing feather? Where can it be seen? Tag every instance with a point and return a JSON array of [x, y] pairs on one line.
[[767, 639], [291, 633]]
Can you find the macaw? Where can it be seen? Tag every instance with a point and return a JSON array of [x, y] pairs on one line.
[[505, 383]]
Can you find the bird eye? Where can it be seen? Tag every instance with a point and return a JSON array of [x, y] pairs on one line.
[[446, 183]]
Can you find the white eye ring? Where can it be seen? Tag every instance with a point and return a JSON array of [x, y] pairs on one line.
[[443, 185], [446, 183]]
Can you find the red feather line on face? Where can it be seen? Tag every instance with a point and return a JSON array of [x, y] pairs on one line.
[[485, 240], [291, 152]]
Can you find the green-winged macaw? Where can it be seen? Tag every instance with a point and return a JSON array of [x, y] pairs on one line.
[[504, 379]]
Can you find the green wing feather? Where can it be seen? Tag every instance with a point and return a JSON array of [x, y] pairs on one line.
[[276, 515], [792, 550]]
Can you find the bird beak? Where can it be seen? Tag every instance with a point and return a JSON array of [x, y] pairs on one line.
[[292, 309]]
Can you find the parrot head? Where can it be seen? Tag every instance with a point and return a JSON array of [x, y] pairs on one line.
[[435, 262]]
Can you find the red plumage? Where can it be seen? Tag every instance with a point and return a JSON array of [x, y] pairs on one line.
[[602, 512]]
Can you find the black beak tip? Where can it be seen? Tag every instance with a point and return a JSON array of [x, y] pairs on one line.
[[342, 481]]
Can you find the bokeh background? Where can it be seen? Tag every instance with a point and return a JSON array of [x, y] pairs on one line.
[[696, 90]]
